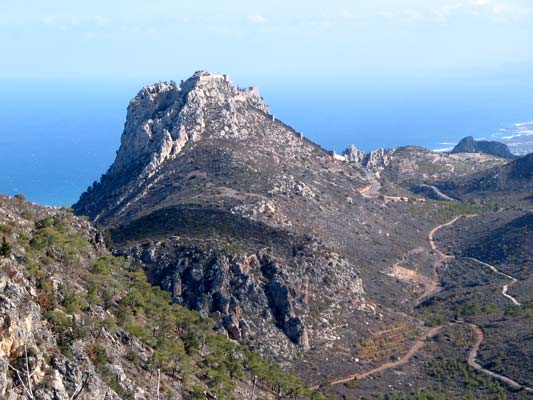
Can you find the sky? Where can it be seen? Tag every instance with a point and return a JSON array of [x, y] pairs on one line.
[[266, 41], [375, 73]]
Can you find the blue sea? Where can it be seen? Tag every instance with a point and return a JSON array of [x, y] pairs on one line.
[[56, 138]]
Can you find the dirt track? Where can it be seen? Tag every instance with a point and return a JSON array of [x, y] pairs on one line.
[[428, 334], [505, 288], [473, 363], [419, 344], [441, 257], [391, 364]]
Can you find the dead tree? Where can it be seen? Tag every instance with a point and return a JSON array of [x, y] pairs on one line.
[[24, 376], [80, 388]]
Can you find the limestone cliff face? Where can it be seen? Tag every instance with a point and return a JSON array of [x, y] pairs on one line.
[[354, 155], [163, 117], [256, 297]]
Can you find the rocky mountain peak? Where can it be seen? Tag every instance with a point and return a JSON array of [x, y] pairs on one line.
[[469, 145], [163, 117]]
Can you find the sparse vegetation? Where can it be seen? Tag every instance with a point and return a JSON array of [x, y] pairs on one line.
[[387, 341], [183, 344], [450, 371]]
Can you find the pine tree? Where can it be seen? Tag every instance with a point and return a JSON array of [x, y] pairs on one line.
[[5, 249]]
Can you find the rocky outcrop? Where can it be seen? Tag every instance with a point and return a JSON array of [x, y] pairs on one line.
[[375, 160], [259, 295], [161, 120], [354, 155], [165, 116], [469, 145]]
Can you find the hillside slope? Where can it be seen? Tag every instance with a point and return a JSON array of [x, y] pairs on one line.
[[242, 218], [411, 166], [85, 324], [513, 180]]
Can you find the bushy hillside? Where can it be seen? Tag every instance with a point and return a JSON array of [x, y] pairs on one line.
[[82, 323]]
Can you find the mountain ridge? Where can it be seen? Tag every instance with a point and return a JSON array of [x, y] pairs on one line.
[[330, 266]]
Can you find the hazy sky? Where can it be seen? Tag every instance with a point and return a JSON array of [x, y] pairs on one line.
[[268, 40]]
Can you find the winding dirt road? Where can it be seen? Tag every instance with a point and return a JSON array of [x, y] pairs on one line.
[[505, 288], [473, 363], [433, 287], [372, 190], [420, 342], [437, 191], [476, 329]]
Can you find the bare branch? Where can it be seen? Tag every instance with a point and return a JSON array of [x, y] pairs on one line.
[[28, 376], [30, 394], [26, 373], [79, 390], [35, 369], [158, 381]]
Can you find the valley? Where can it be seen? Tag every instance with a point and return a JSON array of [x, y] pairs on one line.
[[431, 332]]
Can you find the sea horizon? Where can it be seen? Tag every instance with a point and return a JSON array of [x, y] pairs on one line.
[[68, 132]]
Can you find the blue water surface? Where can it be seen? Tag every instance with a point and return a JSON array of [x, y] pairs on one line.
[[56, 138]]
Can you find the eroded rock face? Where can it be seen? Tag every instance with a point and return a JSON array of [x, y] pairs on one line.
[[354, 155], [260, 295], [162, 118], [375, 160]]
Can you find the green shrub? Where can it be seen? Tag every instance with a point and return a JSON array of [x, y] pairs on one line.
[[72, 300], [6, 230], [5, 248], [65, 329], [96, 353]]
